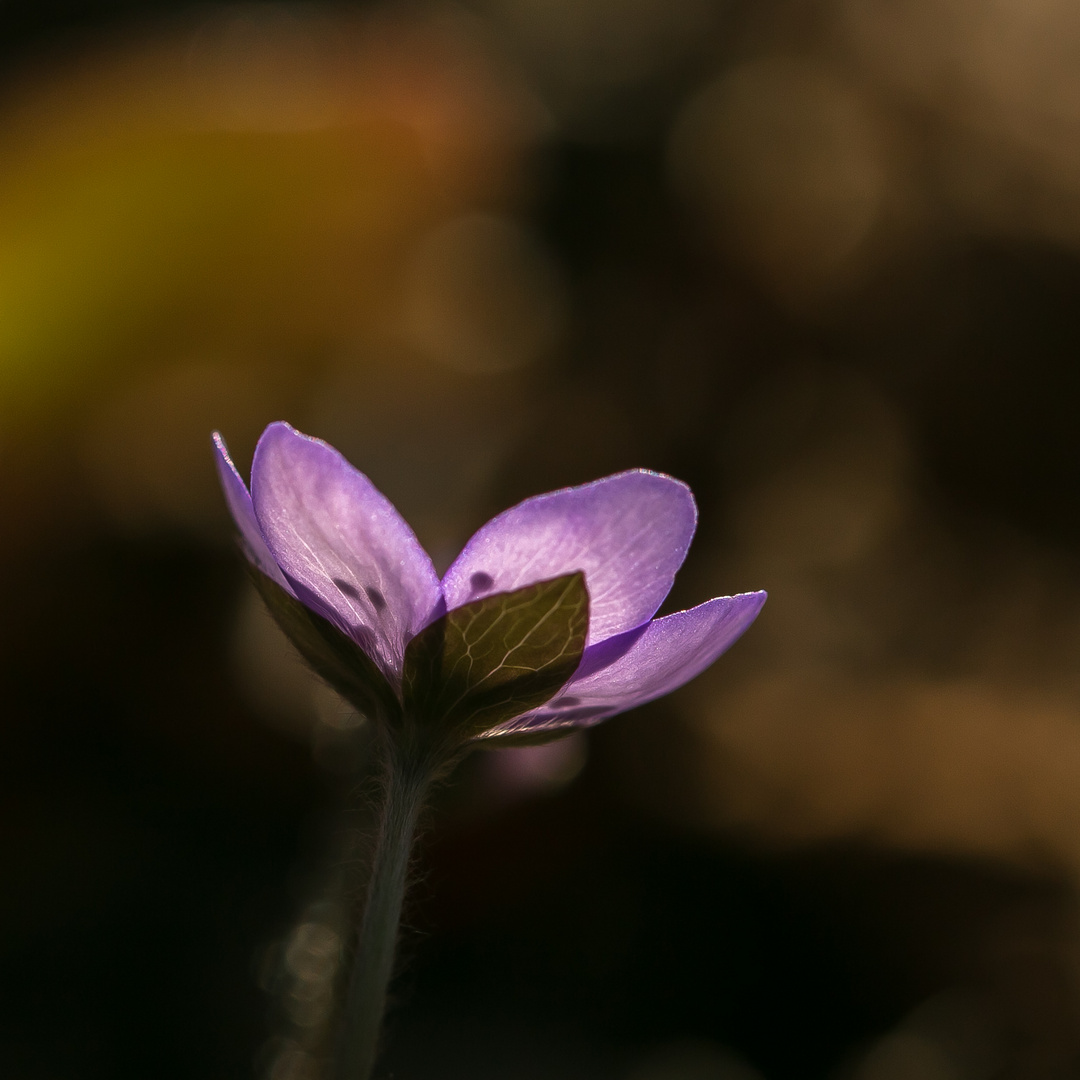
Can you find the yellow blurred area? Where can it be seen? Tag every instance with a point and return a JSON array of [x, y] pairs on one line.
[[180, 196], [194, 224]]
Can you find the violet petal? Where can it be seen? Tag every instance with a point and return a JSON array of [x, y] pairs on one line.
[[236, 495], [664, 655], [347, 551], [628, 533]]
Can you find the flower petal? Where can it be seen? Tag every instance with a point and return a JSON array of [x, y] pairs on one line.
[[628, 533], [341, 543], [236, 495], [649, 663]]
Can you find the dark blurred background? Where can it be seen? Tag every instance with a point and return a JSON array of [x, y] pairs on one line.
[[819, 258]]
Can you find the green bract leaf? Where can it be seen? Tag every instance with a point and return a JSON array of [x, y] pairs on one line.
[[489, 661], [333, 656]]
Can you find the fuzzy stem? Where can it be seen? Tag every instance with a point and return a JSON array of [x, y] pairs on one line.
[[407, 780]]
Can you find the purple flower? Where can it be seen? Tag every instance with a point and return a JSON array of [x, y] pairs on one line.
[[321, 532]]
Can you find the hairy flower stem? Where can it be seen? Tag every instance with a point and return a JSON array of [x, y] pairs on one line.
[[408, 777]]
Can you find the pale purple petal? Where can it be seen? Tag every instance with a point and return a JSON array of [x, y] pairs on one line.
[[236, 495], [347, 551], [628, 533], [657, 659]]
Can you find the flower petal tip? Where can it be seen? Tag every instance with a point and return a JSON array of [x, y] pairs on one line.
[[629, 533], [341, 543]]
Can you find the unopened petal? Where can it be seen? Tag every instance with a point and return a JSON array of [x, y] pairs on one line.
[[629, 533], [236, 495], [347, 551], [656, 659]]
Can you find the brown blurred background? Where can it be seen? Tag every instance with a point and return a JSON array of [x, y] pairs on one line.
[[819, 258]]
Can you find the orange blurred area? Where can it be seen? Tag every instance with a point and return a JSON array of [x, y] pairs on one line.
[[194, 224], [819, 259]]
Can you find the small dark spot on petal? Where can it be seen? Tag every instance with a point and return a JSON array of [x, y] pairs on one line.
[[378, 601], [346, 588], [567, 702], [481, 582]]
